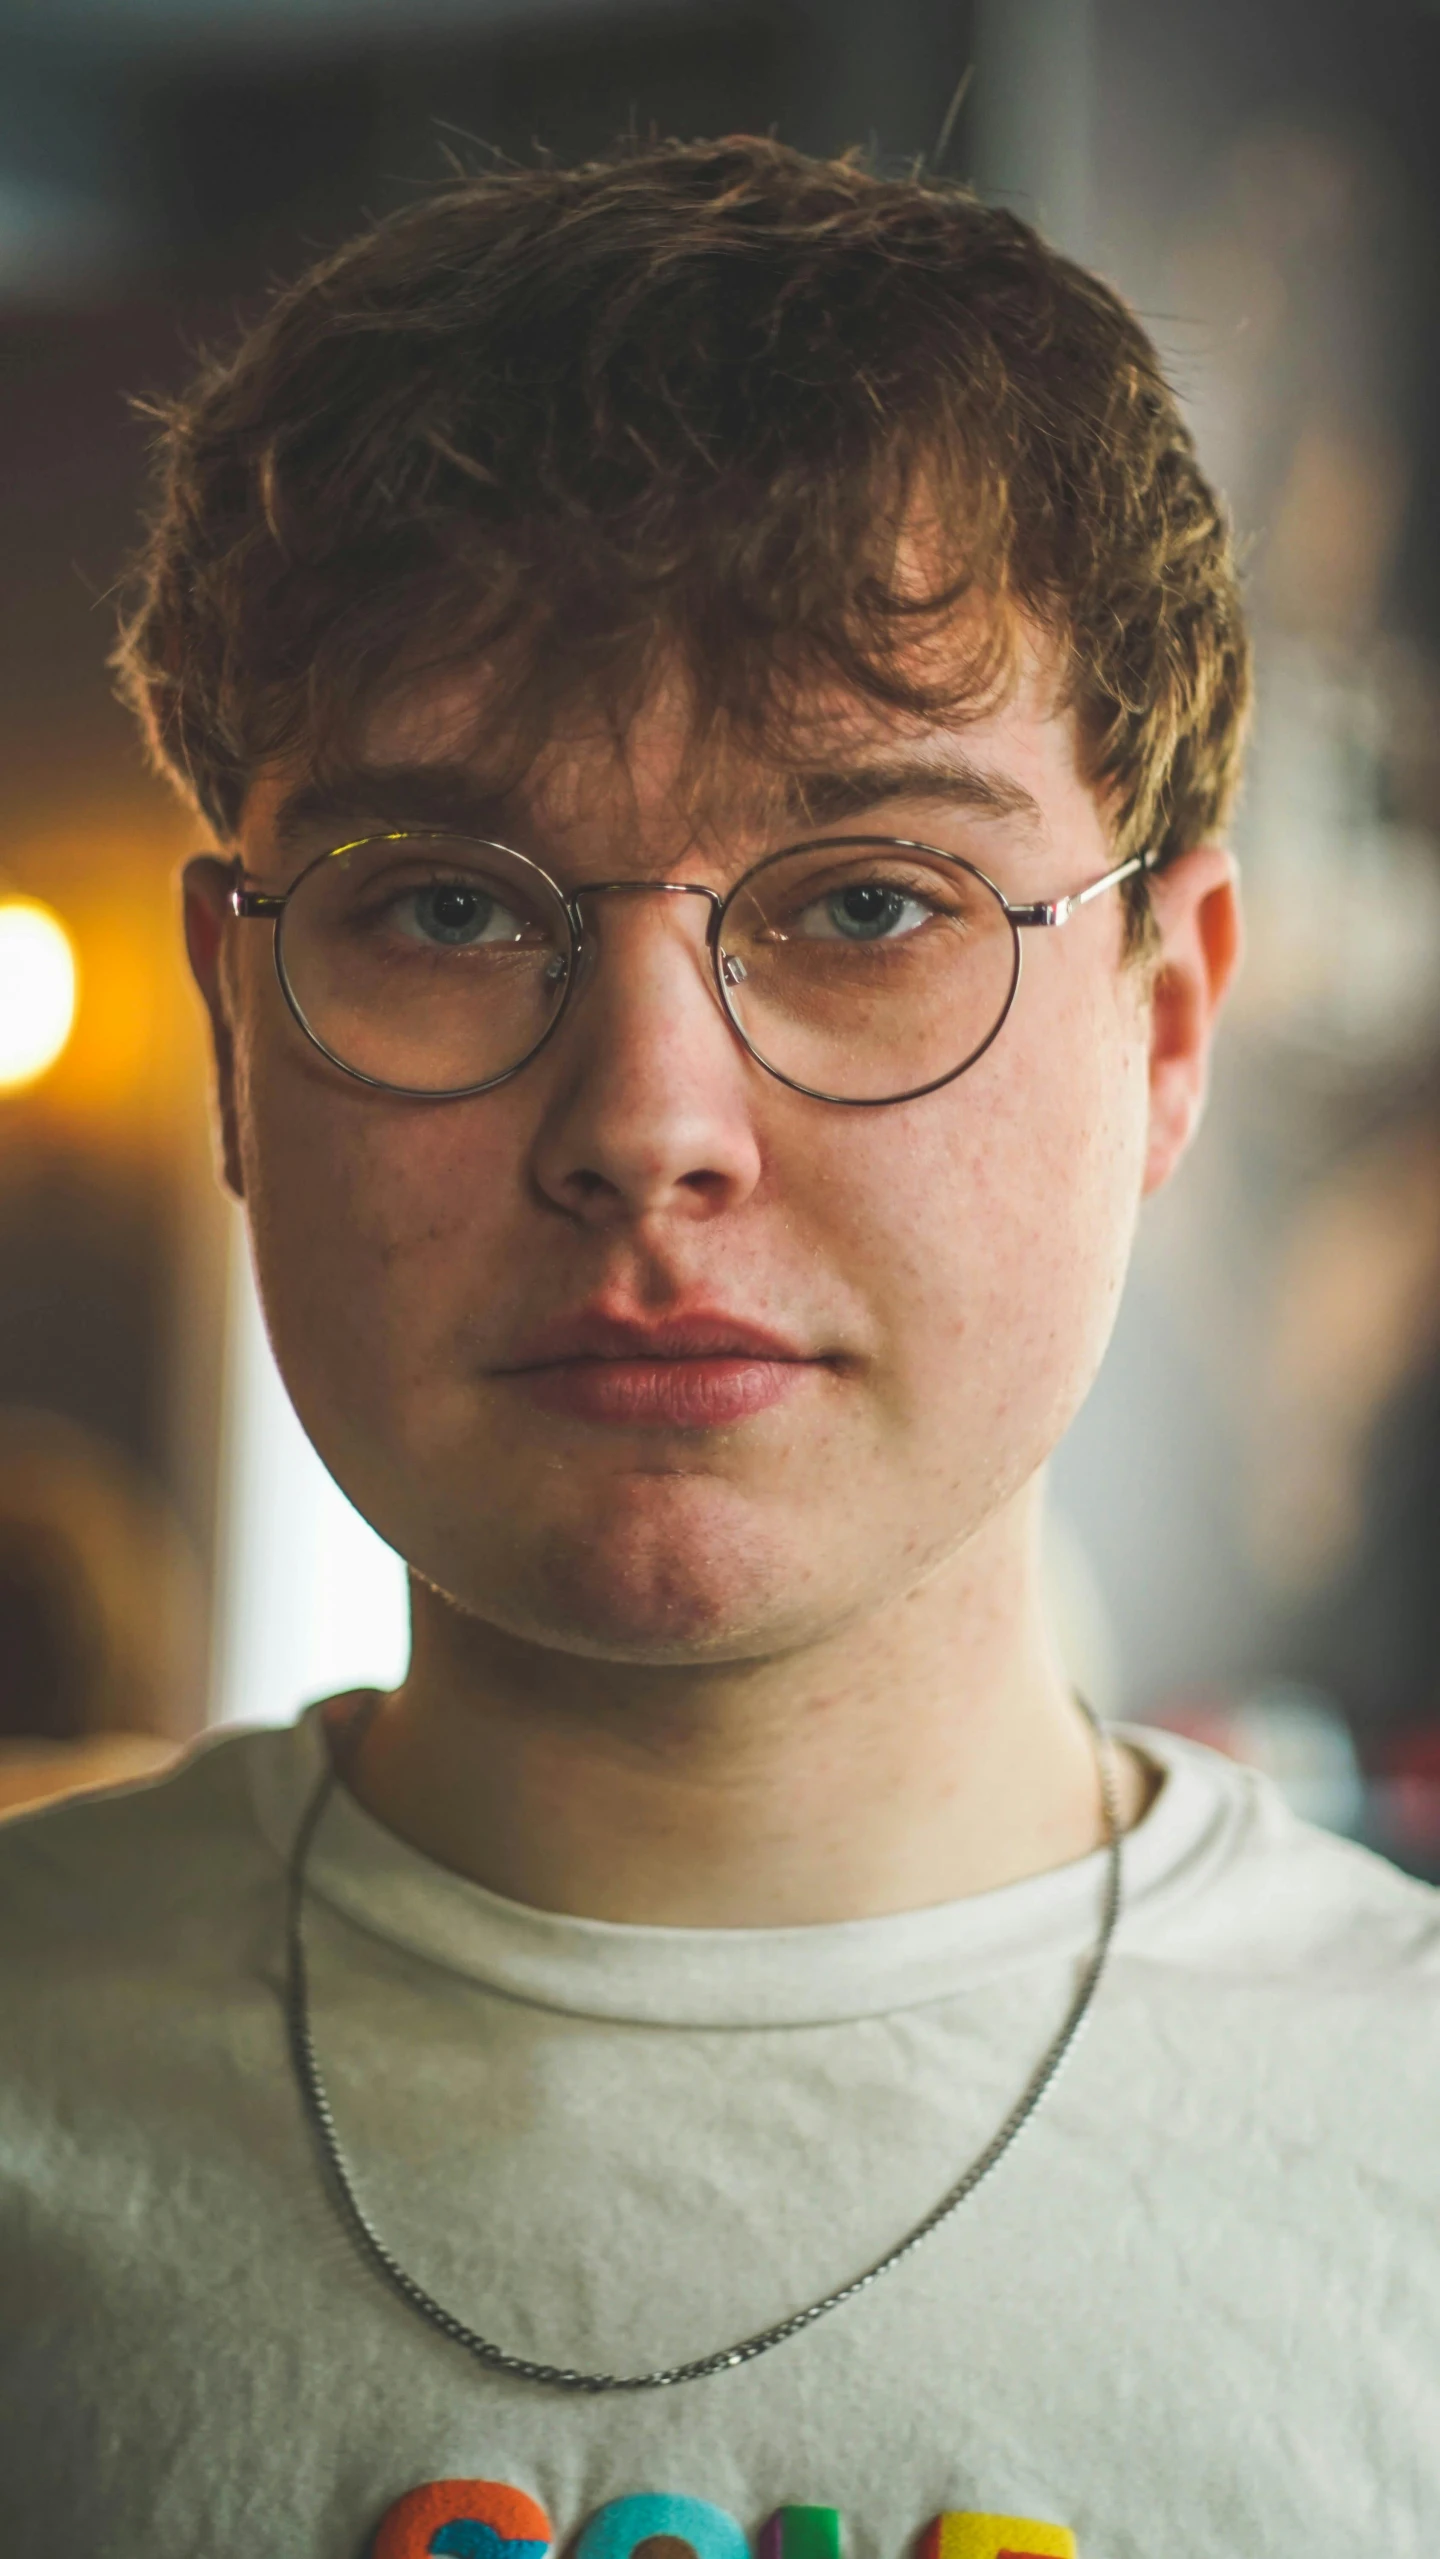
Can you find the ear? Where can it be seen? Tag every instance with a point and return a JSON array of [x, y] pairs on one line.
[[206, 884], [1196, 904]]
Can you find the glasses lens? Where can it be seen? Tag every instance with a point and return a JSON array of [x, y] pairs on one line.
[[865, 971], [427, 962]]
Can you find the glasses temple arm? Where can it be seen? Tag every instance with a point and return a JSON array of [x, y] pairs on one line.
[[247, 902], [1059, 910]]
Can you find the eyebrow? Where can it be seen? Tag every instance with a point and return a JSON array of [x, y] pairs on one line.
[[823, 797], [378, 798]]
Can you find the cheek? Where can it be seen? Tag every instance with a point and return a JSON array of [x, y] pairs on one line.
[[1001, 1214], [375, 1223]]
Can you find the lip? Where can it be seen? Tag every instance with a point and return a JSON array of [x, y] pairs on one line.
[[696, 1368]]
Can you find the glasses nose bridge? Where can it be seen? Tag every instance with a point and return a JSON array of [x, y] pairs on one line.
[[575, 904]]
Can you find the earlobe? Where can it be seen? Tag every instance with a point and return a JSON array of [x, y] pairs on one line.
[[1197, 913], [206, 887]]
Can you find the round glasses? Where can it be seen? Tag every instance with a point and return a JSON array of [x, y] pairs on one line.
[[857, 969]]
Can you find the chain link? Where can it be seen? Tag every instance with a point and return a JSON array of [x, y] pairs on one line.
[[483, 2350]]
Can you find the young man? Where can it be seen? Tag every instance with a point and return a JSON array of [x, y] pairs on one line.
[[656, 645]]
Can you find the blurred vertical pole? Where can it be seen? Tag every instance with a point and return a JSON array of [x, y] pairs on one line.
[[1026, 136], [879, 77], [1029, 137], [1031, 114]]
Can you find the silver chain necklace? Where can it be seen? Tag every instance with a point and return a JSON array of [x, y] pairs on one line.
[[373, 2248]]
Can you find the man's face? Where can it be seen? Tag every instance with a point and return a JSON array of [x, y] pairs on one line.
[[940, 1275]]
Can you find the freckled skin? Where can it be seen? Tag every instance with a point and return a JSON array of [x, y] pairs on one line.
[[960, 1256], [952, 1264]]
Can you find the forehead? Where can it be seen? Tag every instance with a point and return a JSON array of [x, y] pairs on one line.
[[665, 778]]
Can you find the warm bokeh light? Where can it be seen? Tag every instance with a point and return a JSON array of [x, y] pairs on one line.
[[37, 990]]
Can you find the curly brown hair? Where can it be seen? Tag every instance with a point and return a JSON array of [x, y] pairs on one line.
[[681, 406]]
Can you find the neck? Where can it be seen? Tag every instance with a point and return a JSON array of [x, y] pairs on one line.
[[932, 1751]]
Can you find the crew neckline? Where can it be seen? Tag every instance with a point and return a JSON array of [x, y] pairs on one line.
[[821, 1974]]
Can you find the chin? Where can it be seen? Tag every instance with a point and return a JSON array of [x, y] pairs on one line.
[[683, 1570]]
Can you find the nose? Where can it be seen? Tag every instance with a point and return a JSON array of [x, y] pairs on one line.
[[650, 1110]]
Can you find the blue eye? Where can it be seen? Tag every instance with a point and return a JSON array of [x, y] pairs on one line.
[[863, 911], [453, 913], [456, 915]]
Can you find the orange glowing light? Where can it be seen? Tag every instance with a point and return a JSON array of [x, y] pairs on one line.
[[38, 989]]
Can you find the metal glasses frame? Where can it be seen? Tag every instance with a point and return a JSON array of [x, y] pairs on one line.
[[254, 904]]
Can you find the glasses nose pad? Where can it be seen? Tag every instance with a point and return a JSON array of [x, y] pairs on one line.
[[557, 970], [732, 970]]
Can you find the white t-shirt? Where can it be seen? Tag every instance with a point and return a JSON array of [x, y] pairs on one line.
[[1195, 2313]]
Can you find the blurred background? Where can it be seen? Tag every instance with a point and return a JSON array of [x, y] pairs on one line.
[[1247, 1537]]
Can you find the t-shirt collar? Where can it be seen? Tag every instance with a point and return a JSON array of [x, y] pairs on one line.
[[740, 1977]]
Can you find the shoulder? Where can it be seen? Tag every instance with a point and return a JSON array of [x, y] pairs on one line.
[[1243, 1887], [140, 1954], [136, 1870]]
